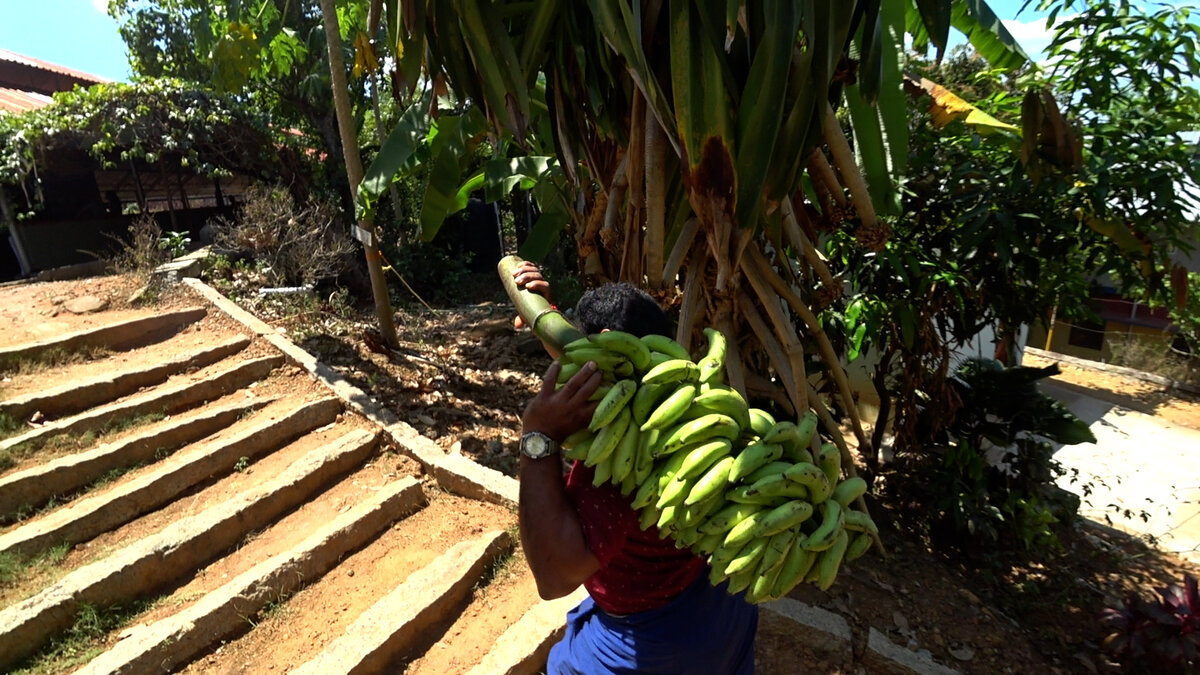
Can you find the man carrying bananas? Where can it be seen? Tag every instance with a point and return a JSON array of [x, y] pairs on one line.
[[651, 607]]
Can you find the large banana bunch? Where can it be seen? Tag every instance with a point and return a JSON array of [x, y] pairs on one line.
[[763, 501]]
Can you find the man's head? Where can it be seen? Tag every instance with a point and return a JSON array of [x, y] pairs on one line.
[[621, 307]]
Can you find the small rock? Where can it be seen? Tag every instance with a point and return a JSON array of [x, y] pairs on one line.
[[901, 622], [36, 417], [350, 573], [86, 304], [426, 420], [456, 447], [963, 653], [974, 599], [138, 295]]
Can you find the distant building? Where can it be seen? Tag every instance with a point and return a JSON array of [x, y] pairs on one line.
[[27, 83]]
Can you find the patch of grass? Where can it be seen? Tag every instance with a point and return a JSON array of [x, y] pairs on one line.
[[84, 639], [242, 464], [8, 424], [7, 461], [10, 568], [66, 442]]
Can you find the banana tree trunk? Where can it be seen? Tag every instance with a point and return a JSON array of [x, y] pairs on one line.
[[546, 322]]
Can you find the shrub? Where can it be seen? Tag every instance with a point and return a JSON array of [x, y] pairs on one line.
[[1160, 636], [294, 245], [991, 473]]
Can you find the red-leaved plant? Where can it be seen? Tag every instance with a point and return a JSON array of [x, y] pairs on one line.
[[1163, 634]]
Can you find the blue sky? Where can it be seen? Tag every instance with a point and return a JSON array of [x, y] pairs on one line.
[[79, 34]]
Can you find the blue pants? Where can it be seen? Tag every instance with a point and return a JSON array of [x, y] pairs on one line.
[[705, 630]]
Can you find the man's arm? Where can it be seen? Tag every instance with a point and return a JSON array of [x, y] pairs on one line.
[[551, 534]]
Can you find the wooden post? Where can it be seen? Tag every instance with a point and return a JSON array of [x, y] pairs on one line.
[[354, 171]]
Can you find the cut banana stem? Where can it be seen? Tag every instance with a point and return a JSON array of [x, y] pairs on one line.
[[847, 167]]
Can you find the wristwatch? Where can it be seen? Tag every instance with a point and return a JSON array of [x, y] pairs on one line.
[[536, 445]]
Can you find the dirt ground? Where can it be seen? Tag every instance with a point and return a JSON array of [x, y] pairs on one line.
[[461, 377]]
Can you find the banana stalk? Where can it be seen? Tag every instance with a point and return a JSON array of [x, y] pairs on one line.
[[549, 324], [812, 256], [824, 179], [792, 348], [771, 345], [689, 309], [683, 244]]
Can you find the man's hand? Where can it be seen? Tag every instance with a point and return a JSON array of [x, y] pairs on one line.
[[559, 414], [528, 276]]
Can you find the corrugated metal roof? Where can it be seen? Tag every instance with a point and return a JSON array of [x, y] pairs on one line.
[[6, 55], [16, 101]]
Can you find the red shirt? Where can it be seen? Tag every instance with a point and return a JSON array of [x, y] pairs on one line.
[[638, 570]]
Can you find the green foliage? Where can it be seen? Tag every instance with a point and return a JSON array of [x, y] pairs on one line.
[[1187, 317], [1126, 73], [992, 475]]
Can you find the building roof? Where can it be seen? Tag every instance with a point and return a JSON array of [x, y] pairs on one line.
[[27, 83]]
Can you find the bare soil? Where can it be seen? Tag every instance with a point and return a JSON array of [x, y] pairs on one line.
[[461, 377]]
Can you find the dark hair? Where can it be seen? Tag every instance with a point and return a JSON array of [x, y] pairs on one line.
[[621, 307]]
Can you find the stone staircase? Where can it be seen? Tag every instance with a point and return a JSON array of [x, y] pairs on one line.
[[241, 508]]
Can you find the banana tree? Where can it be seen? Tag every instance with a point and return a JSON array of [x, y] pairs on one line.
[[701, 149]]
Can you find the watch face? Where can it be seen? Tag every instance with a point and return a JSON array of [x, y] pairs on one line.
[[535, 446]]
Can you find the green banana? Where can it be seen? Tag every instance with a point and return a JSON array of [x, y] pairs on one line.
[[672, 408], [749, 556], [643, 464], [760, 589], [647, 518], [783, 518], [625, 344], [666, 517], [567, 371], [578, 437], [723, 521], [602, 473], [740, 582], [812, 477], [778, 546], [711, 483], [859, 521], [859, 545], [600, 393], [628, 484], [694, 514], [675, 370], [723, 555], [699, 458], [784, 433], [674, 493], [833, 520], [795, 567], [625, 454], [575, 345], [646, 495], [665, 345], [753, 457], [771, 468], [829, 458], [608, 438], [579, 451], [830, 560], [713, 363], [777, 485], [761, 421], [612, 403], [806, 429], [743, 495], [743, 532], [723, 399], [647, 398], [605, 360], [708, 543], [703, 428], [848, 490]]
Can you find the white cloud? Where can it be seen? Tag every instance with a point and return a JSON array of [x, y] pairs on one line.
[[101, 6], [1029, 32]]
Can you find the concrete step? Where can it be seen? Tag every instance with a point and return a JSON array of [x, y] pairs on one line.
[[119, 335], [175, 551], [177, 640], [524, 647], [392, 629], [92, 515], [166, 400], [33, 487], [77, 396]]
